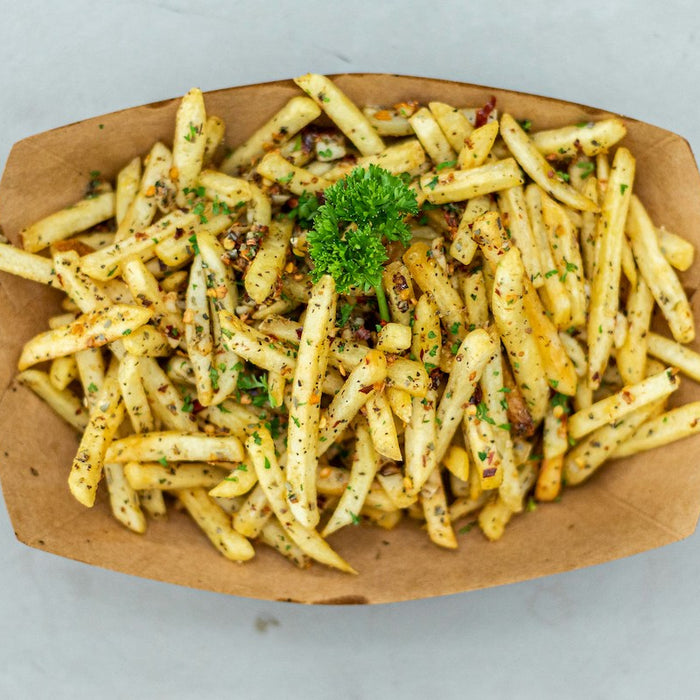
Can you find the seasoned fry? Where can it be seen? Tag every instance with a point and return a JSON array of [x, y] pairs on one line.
[[104, 422], [304, 415], [458, 185], [667, 427], [216, 524], [348, 118], [623, 402], [534, 164], [662, 280], [273, 481], [24, 264], [674, 354], [282, 127], [267, 266], [605, 286], [174, 446], [589, 138], [87, 331], [63, 401], [432, 138], [66, 222]]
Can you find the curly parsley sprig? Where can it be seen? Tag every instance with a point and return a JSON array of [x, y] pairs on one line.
[[361, 212]]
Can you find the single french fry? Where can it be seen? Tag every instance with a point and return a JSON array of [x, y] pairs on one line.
[[588, 236], [470, 360], [273, 535], [238, 482], [632, 354], [398, 286], [365, 464], [254, 513], [351, 398], [623, 402], [663, 429], [66, 222], [297, 180], [304, 415], [679, 252], [341, 110], [153, 503], [454, 125], [155, 189], [24, 264], [265, 270], [382, 429], [566, 254], [589, 138], [432, 137], [148, 341], [514, 328], [214, 130], [134, 395], [535, 165], [431, 277], [87, 331], [234, 192], [517, 223], [477, 146], [176, 446], [88, 463], [437, 515], [273, 480], [658, 274], [282, 127], [558, 368], [128, 181], [389, 121], [458, 185], [189, 142], [216, 524], [123, 499], [674, 354], [63, 401], [63, 371], [90, 364], [583, 461], [606, 281]]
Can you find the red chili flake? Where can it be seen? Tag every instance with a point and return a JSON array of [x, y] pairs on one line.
[[489, 472], [482, 114], [196, 406]]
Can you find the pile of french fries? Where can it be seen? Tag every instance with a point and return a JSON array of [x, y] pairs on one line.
[[205, 371]]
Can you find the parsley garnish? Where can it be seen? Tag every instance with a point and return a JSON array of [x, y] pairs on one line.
[[347, 241]]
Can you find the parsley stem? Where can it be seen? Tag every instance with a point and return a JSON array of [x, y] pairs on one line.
[[381, 302]]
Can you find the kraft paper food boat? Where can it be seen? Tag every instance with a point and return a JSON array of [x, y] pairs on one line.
[[630, 506]]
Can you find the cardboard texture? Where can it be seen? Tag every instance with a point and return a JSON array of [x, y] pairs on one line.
[[629, 506]]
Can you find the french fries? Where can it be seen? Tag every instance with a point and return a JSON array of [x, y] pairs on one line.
[[276, 404]]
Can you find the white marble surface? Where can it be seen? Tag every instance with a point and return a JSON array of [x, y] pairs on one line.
[[627, 629]]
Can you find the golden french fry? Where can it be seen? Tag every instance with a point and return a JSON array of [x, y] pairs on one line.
[[453, 122], [672, 353], [128, 181], [63, 401], [437, 515], [216, 524], [346, 116], [658, 274], [282, 127], [24, 264], [458, 185], [67, 222], [189, 142], [477, 146], [632, 355], [273, 481], [305, 411], [623, 402], [266, 268], [365, 464], [87, 331], [534, 164], [667, 427], [589, 138], [605, 286], [432, 138], [104, 422], [176, 446]]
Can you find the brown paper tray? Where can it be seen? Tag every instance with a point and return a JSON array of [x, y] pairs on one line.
[[630, 506]]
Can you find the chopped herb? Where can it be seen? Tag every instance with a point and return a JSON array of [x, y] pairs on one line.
[[587, 168], [623, 187], [445, 164], [483, 455], [525, 124], [326, 153], [127, 331], [344, 314], [163, 461], [549, 274], [267, 463], [92, 387], [193, 240], [361, 211], [482, 413], [355, 518], [286, 179]]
